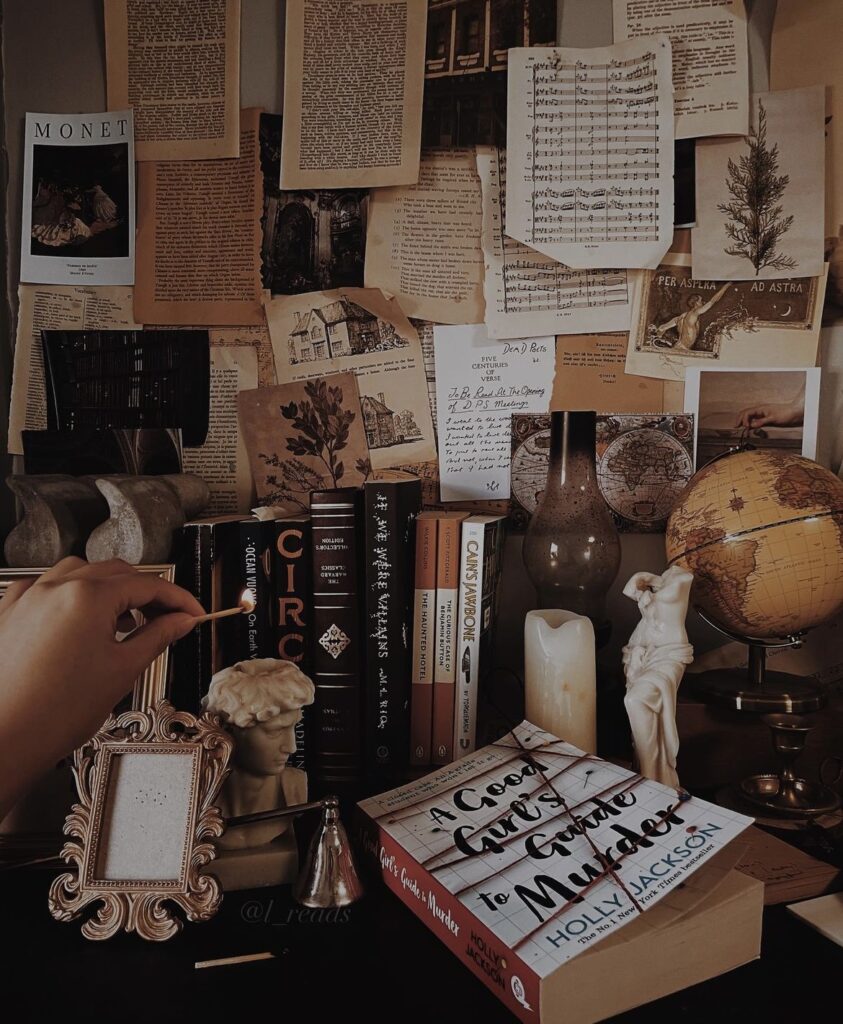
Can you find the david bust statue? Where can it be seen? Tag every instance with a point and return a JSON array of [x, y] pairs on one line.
[[260, 702]]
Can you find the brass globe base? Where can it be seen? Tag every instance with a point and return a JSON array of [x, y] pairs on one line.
[[790, 797], [779, 692]]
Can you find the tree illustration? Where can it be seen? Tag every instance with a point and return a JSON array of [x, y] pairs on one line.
[[323, 426], [755, 222]]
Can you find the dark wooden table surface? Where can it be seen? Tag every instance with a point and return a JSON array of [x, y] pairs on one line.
[[373, 960]]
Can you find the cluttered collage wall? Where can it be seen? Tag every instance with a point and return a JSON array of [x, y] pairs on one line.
[[406, 269]]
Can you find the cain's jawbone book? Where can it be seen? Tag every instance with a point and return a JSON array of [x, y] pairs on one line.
[[573, 888]]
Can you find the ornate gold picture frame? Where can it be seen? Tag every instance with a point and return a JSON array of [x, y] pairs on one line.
[[33, 831], [144, 824]]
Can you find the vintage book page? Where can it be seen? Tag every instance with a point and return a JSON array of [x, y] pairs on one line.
[[353, 84], [425, 332], [760, 199], [679, 321], [359, 329], [590, 374], [258, 338], [423, 241], [480, 383], [199, 237], [528, 293], [78, 216], [590, 151], [55, 308], [178, 66], [710, 59], [255, 336], [222, 461]]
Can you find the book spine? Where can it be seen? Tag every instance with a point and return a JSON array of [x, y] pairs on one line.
[[337, 656], [390, 511], [444, 673], [470, 627], [500, 969], [424, 638], [256, 640], [291, 615], [185, 683]]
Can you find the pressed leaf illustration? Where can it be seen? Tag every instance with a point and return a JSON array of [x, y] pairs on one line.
[[756, 220], [322, 424]]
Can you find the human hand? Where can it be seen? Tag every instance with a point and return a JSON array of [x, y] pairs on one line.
[[774, 414], [63, 667]]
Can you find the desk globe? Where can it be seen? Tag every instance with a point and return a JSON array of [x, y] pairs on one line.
[[762, 532]]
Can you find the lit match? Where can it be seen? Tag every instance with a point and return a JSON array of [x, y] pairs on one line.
[[246, 605]]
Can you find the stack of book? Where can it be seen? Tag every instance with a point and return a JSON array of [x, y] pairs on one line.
[[388, 609], [457, 571]]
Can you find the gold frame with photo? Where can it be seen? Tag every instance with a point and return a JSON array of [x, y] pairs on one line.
[[140, 904]]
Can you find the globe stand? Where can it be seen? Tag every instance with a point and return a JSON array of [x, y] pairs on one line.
[[755, 689]]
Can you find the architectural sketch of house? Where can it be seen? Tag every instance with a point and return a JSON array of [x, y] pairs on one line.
[[341, 328]]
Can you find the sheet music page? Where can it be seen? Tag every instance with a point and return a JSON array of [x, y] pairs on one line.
[[528, 293], [710, 59], [590, 141]]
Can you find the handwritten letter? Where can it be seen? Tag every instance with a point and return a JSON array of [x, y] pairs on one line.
[[590, 141], [479, 384]]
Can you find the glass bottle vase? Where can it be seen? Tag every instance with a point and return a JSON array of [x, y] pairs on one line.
[[571, 548]]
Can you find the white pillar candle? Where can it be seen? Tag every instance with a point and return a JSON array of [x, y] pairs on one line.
[[560, 676]]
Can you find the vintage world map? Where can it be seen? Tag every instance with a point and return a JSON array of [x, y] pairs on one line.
[[642, 468]]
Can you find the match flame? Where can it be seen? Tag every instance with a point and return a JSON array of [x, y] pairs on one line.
[[247, 601]]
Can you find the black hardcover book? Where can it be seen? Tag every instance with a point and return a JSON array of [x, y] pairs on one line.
[[255, 567], [291, 610], [336, 519], [391, 508], [202, 555]]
